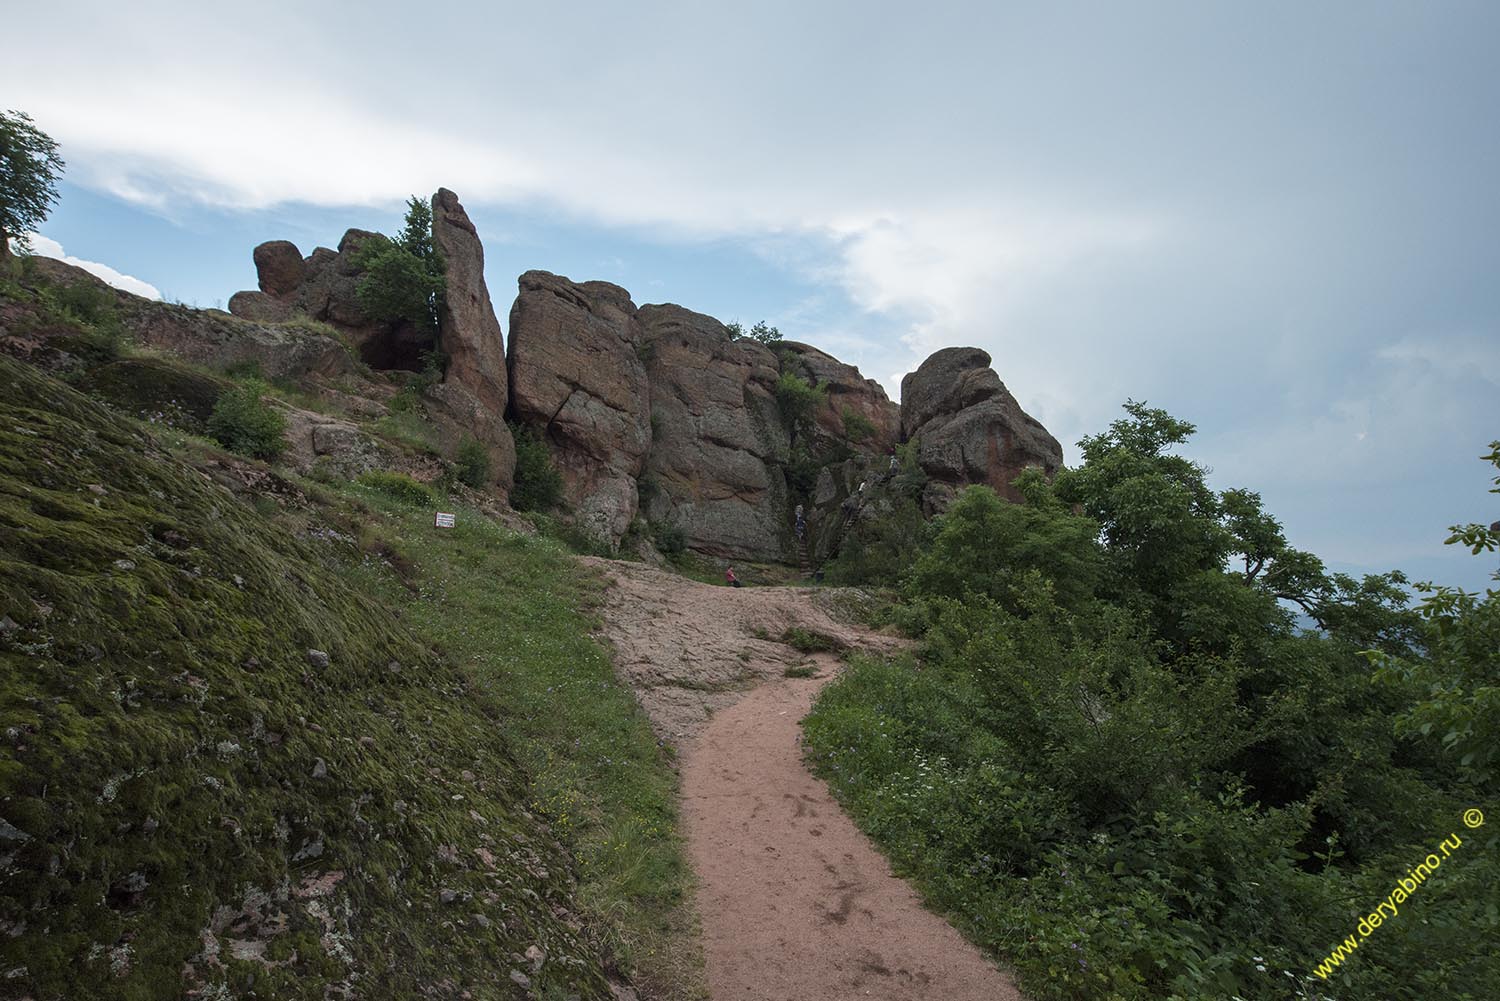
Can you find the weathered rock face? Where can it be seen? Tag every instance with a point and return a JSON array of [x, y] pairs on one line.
[[714, 466], [969, 428], [848, 392], [322, 287], [576, 375], [475, 385], [467, 328], [213, 338]]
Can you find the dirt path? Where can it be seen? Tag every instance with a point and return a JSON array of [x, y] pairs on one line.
[[796, 904]]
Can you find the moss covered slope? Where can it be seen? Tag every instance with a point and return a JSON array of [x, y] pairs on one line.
[[224, 773]]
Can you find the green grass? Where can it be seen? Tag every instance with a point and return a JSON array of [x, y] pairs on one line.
[[516, 613], [174, 750], [800, 671], [810, 641]]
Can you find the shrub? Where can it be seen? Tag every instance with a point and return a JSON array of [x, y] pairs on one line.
[[857, 427], [472, 464], [798, 399], [668, 539], [243, 422], [810, 640], [538, 484], [399, 487]]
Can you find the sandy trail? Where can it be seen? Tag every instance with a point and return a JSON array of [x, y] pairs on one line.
[[796, 904]]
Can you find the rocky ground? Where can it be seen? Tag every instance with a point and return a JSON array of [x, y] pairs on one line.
[[795, 903]]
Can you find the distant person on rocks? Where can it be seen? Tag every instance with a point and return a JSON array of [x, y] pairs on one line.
[[895, 463], [730, 578], [801, 523]]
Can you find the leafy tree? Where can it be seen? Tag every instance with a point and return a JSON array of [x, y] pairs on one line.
[[29, 169], [403, 278], [857, 427], [762, 332], [1460, 676], [472, 464]]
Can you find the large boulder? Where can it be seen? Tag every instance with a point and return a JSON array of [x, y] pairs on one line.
[[279, 268], [969, 428], [576, 374], [851, 399], [715, 465]]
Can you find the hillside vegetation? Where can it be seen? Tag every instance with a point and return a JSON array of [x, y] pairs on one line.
[[246, 752], [1119, 764]]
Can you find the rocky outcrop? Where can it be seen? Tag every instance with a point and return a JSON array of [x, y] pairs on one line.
[[213, 338], [858, 410], [323, 287], [577, 376], [969, 428], [474, 392], [715, 465]]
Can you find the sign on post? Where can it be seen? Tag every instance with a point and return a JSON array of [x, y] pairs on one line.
[[443, 520]]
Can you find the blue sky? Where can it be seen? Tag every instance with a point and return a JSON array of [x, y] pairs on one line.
[[1277, 221]]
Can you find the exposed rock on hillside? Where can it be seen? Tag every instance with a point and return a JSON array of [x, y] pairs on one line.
[[577, 376], [719, 442], [212, 338], [322, 286], [969, 428], [848, 391], [474, 391]]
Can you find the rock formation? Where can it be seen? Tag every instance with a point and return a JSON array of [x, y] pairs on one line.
[[577, 377], [849, 392], [969, 428], [322, 287], [715, 464], [473, 395]]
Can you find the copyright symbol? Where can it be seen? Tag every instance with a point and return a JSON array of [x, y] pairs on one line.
[[1473, 818]]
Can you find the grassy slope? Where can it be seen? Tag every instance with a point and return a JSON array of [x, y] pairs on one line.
[[163, 726]]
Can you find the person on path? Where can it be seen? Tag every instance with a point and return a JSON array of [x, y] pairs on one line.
[[801, 523], [730, 578], [895, 462]]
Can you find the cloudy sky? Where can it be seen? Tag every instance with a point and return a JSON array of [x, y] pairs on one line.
[[1278, 221]]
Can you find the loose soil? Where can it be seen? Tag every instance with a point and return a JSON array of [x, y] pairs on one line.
[[796, 904]]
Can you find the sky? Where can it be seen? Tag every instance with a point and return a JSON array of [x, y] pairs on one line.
[[1278, 221]]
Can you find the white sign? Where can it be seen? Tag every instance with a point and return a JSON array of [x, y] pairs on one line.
[[444, 520]]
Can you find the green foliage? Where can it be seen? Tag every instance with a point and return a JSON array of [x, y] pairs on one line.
[[1459, 677], [399, 487], [798, 400], [810, 640], [472, 464], [242, 421], [29, 169], [761, 332], [538, 484], [668, 539], [1126, 771], [879, 550], [402, 280], [857, 427], [800, 671]]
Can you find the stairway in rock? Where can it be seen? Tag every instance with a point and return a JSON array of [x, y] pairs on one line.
[[802, 561]]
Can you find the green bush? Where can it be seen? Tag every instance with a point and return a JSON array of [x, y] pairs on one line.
[[798, 399], [668, 539], [243, 422], [472, 464], [857, 427], [399, 487], [810, 640], [538, 484]]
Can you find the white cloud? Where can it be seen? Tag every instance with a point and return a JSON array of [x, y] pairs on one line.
[[46, 247]]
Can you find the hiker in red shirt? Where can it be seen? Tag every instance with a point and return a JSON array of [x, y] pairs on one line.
[[730, 578]]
